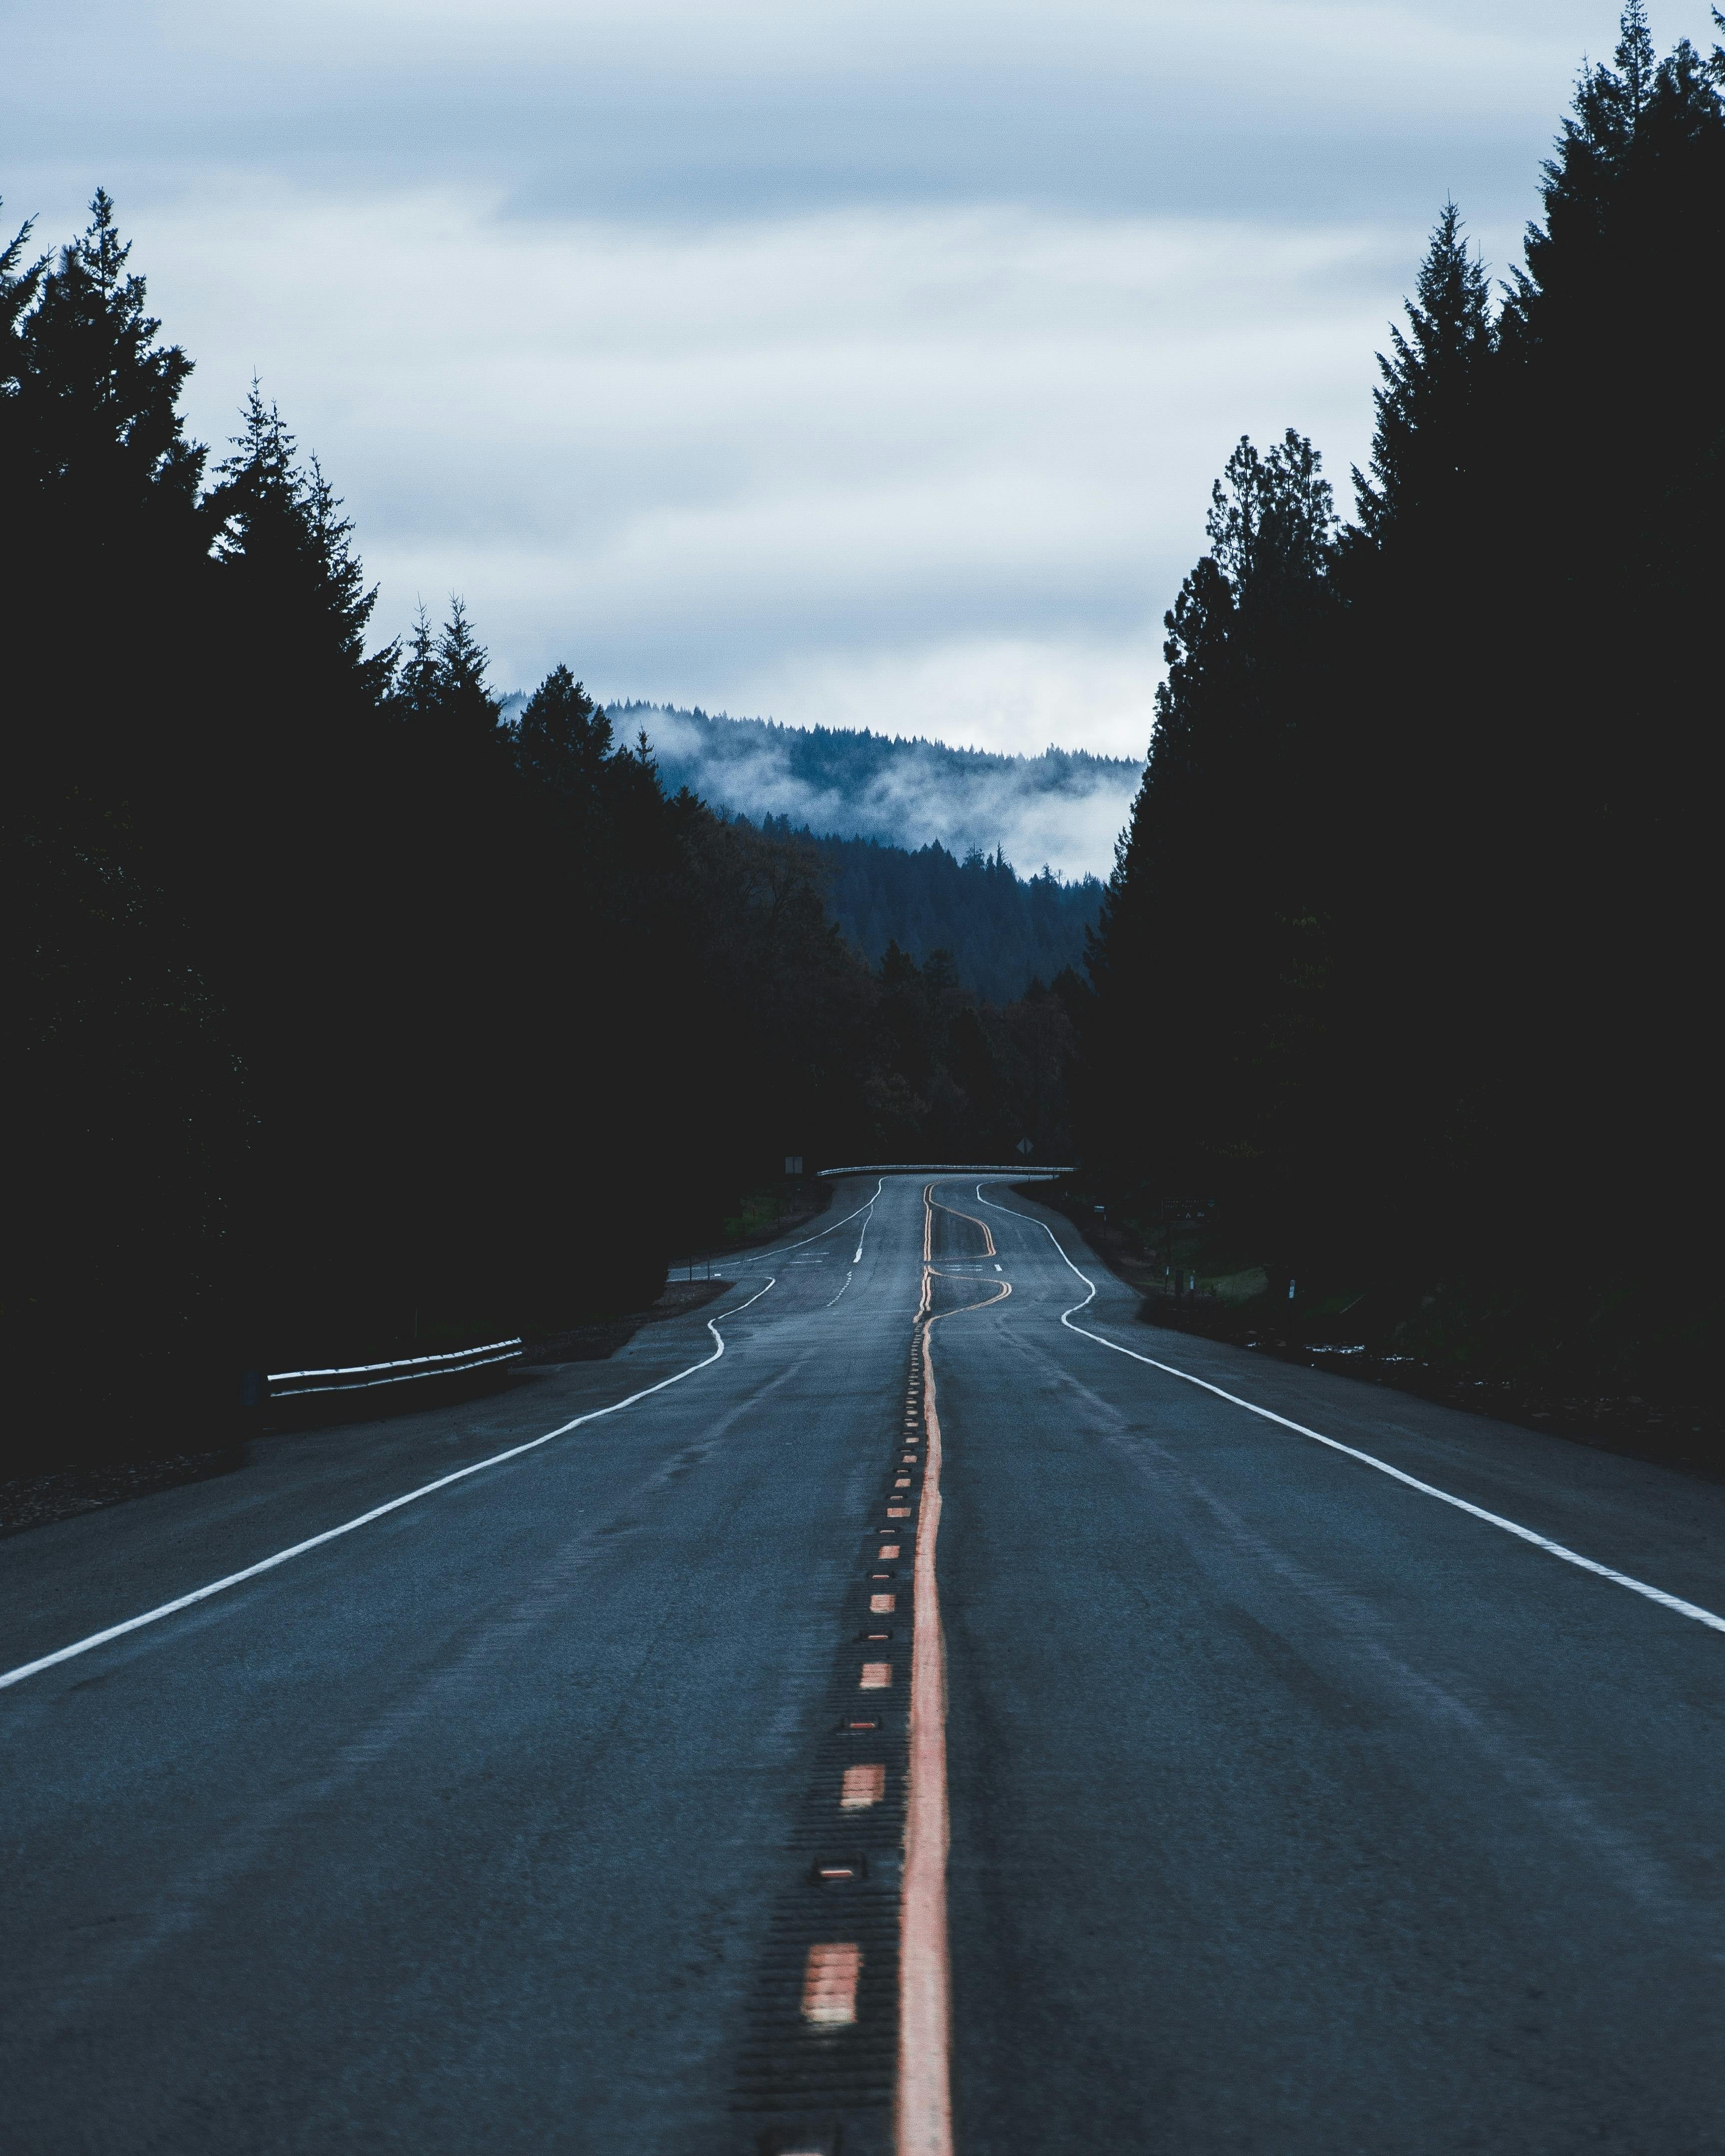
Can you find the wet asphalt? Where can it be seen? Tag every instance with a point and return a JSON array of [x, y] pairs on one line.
[[1292, 1810]]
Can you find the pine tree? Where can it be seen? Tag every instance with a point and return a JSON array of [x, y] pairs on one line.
[[1214, 875], [442, 697], [20, 288], [470, 711], [1425, 442], [1270, 518], [562, 739], [281, 536], [416, 690], [97, 434]]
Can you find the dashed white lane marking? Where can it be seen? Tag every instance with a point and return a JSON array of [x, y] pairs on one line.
[[830, 1980], [364, 1519], [847, 1282], [862, 1786], [1671, 1602]]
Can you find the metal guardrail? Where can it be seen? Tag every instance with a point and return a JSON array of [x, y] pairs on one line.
[[1020, 1169], [362, 1377]]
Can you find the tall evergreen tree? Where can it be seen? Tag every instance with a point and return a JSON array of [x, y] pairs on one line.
[[20, 283], [1425, 441], [1210, 905], [281, 535], [562, 738], [93, 429]]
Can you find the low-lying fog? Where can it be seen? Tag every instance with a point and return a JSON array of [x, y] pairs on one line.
[[1062, 810]]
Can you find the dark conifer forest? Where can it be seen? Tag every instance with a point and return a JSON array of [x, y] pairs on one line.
[[346, 1018], [350, 1012], [1002, 930], [1404, 966]]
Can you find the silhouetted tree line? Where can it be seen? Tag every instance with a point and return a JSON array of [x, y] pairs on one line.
[[844, 1061], [1405, 957], [1000, 929], [346, 1018]]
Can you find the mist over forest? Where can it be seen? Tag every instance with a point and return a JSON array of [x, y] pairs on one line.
[[1062, 809], [916, 838]]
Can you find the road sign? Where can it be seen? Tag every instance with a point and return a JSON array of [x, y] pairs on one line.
[[793, 1164], [1025, 1148]]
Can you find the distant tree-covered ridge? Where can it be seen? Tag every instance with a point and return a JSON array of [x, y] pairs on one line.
[[1003, 931], [1063, 808], [915, 832]]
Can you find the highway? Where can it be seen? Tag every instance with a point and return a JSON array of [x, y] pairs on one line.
[[1286, 1798]]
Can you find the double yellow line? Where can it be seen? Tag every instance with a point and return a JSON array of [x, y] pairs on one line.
[[925, 2014]]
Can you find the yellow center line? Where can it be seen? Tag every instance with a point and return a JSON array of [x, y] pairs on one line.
[[925, 2075]]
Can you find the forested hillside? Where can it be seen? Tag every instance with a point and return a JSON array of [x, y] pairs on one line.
[[346, 1016], [1404, 964], [1063, 808], [1003, 930]]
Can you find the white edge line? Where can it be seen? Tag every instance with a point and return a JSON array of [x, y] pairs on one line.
[[1672, 1601], [364, 1519], [831, 1224]]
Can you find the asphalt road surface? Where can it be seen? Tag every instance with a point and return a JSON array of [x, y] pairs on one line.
[[597, 1800]]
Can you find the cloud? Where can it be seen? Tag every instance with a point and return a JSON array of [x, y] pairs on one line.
[[800, 466], [657, 107], [791, 357]]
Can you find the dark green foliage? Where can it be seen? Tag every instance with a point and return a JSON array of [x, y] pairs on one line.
[[562, 739], [1401, 957], [1001, 929], [348, 1016], [1425, 447], [1204, 942], [92, 427], [123, 1088]]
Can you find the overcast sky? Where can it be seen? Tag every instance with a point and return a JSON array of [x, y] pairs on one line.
[[853, 361]]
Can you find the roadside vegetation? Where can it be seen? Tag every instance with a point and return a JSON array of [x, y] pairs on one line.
[[351, 1011], [1401, 970], [347, 1019]]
